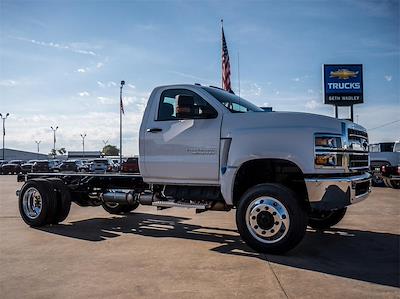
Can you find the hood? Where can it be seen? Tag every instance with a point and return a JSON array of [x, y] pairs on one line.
[[285, 120]]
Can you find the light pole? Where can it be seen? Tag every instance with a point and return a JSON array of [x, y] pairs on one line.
[[54, 140], [38, 146], [83, 144], [121, 110], [4, 128]]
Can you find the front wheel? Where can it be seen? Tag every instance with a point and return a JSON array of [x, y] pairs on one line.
[[270, 219], [116, 208], [325, 219]]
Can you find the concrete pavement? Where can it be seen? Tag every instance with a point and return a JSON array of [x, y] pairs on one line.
[[175, 253]]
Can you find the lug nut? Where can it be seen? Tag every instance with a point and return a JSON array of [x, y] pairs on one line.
[[254, 217], [276, 222], [283, 216], [256, 226], [257, 210], [263, 232], [274, 213], [272, 231]]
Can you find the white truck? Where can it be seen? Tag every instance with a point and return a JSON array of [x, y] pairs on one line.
[[385, 163], [204, 148]]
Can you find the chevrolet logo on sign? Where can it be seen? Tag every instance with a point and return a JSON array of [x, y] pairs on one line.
[[343, 74], [343, 84]]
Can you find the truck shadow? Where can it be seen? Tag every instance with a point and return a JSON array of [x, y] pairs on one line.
[[361, 255]]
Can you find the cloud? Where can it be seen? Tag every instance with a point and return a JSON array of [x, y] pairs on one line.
[[106, 100], [101, 84], [311, 91], [111, 83], [388, 78], [8, 83], [297, 79], [313, 104], [72, 47], [84, 94], [132, 86], [81, 70], [99, 65]]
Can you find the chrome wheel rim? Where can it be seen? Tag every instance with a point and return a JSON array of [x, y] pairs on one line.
[[267, 219], [32, 203]]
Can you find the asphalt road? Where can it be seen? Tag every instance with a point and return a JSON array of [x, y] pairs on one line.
[[175, 253]]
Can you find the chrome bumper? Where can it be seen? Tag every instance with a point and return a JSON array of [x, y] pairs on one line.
[[337, 192]]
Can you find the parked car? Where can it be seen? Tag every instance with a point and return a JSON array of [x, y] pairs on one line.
[[2, 162], [42, 166], [130, 165], [116, 163], [73, 165], [27, 167], [103, 165], [12, 167], [385, 163]]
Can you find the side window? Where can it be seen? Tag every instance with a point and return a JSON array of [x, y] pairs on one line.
[[168, 103]]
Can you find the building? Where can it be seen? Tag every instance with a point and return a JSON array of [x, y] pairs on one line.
[[13, 154], [82, 155]]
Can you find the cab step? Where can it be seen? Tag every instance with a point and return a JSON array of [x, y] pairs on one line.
[[171, 204]]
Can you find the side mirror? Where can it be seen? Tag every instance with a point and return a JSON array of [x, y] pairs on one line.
[[184, 107]]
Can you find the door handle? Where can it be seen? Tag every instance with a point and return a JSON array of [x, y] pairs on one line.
[[154, 130]]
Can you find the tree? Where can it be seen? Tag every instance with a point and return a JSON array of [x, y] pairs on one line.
[[60, 151], [110, 150]]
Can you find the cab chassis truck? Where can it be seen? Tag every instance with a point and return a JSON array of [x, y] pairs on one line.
[[203, 148]]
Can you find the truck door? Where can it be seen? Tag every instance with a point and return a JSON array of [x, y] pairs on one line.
[[182, 148]]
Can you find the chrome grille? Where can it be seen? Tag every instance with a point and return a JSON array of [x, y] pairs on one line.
[[357, 133], [358, 160]]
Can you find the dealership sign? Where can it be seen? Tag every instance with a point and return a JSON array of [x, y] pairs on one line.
[[343, 84]]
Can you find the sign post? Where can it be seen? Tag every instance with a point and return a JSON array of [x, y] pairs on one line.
[[343, 86]]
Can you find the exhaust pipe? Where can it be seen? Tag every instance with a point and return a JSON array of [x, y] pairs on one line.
[[121, 197]]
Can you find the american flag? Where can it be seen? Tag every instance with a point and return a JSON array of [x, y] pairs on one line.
[[226, 67]]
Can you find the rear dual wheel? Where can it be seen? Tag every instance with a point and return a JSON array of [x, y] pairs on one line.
[[44, 202]]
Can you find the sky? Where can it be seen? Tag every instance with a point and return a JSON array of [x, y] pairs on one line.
[[61, 62]]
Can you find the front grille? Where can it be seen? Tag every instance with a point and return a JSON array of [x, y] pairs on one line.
[[356, 161], [357, 133]]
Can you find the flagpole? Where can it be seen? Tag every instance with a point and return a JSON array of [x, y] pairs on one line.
[[222, 30], [120, 123], [239, 73]]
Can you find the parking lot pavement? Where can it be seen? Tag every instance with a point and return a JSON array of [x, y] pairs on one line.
[[175, 253]]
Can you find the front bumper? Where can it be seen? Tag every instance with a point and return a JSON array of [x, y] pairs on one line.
[[337, 192]]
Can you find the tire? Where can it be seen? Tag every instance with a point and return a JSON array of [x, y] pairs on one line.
[[63, 197], [42, 191], [325, 219], [119, 209], [270, 219]]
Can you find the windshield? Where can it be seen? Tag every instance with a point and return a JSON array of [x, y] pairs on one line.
[[387, 147], [232, 102]]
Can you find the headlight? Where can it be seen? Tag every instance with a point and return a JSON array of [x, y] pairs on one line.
[[328, 160], [328, 142]]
